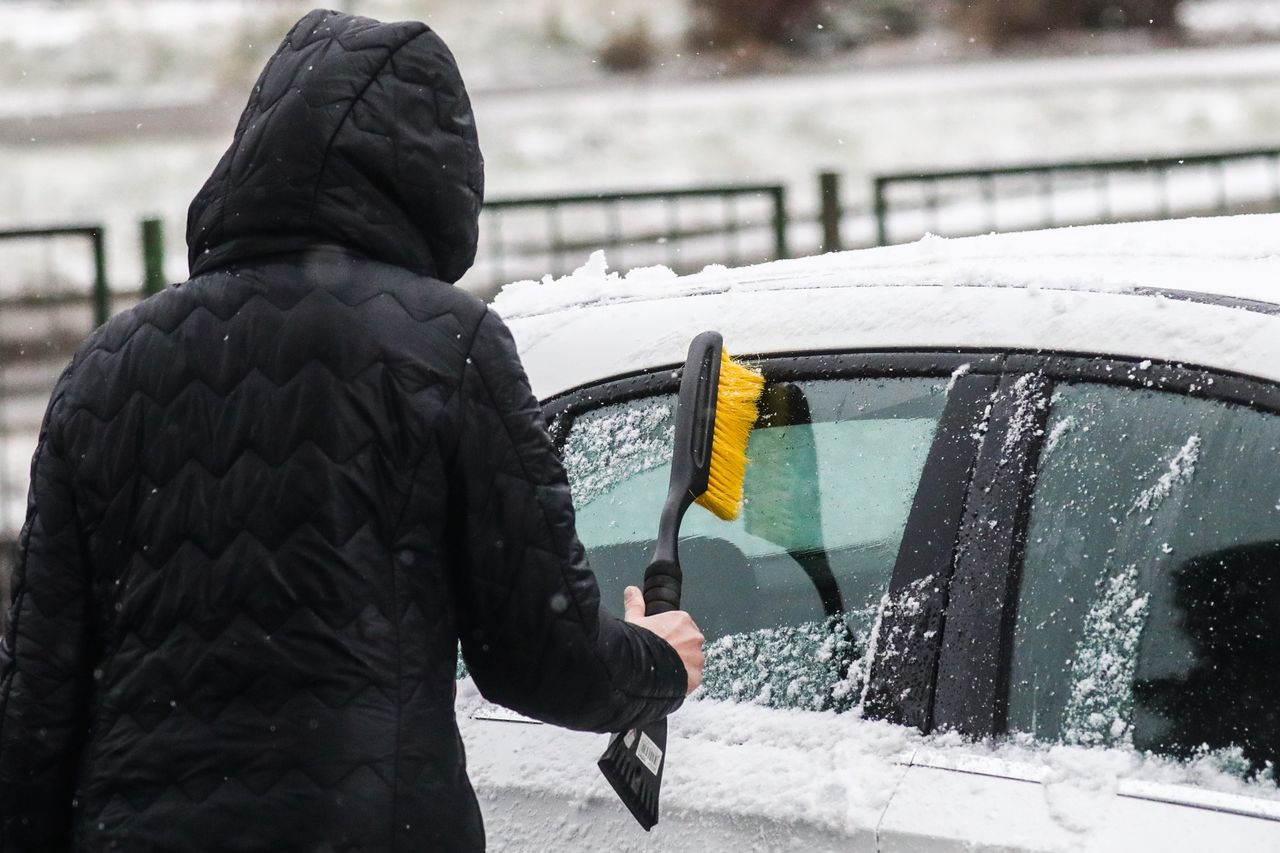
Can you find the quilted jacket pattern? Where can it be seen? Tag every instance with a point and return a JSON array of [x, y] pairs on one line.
[[268, 504]]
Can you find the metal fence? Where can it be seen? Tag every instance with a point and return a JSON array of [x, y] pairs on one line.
[[53, 291], [53, 281], [684, 229], [48, 278], [1031, 196]]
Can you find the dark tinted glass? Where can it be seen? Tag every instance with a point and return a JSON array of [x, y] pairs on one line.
[[1149, 611]]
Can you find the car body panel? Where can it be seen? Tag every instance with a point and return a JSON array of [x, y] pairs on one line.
[[737, 778], [947, 810], [975, 806], [593, 343]]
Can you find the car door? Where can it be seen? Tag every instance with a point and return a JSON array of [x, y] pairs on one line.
[[1112, 620], [812, 603]]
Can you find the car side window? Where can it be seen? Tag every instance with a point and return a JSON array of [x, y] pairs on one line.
[[1150, 595], [788, 593]]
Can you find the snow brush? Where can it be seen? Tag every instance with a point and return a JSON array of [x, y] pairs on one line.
[[714, 417]]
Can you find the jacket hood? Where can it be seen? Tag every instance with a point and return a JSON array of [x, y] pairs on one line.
[[359, 134]]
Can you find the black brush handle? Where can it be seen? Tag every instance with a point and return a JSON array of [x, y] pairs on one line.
[[690, 469], [662, 584], [663, 578]]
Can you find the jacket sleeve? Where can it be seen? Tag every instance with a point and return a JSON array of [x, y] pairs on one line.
[[534, 634], [44, 665]]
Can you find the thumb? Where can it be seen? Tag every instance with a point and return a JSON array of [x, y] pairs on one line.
[[632, 604]]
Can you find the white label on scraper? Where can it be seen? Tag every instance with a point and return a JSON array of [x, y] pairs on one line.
[[629, 738], [649, 753]]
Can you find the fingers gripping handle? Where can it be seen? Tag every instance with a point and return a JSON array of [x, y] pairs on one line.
[[662, 582]]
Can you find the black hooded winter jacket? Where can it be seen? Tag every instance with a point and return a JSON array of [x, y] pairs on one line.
[[268, 503]]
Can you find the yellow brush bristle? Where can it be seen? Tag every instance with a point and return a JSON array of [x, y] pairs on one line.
[[736, 399]]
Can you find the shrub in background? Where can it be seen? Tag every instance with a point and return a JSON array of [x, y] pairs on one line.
[[802, 26], [629, 49], [729, 24], [999, 22]]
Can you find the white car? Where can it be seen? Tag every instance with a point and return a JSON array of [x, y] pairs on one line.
[[1008, 571]]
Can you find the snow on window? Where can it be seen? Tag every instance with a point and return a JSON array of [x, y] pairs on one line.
[[1060, 429], [962, 370], [815, 666], [1181, 469], [613, 444], [983, 425], [1029, 401], [1099, 710], [901, 612], [860, 671]]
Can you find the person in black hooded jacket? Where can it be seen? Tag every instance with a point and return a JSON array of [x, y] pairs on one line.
[[267, 505]]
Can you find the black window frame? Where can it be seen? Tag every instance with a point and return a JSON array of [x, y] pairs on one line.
[[961, 558]]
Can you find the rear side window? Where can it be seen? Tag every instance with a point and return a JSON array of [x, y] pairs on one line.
[[1149, 608], [787, 594]]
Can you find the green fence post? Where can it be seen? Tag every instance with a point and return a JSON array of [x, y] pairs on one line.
[[101, 295], [829, 210], [152, 257], [882, 212], [780, 248]]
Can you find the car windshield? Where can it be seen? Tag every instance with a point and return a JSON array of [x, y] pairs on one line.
[[786, 594], [1150, 596]]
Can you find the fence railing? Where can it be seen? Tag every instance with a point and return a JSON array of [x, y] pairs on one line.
[[1032, 196], [95, 236], [53, 291], [683, 228]]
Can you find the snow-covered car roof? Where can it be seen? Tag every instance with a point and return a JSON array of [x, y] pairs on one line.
[[1200, 292]]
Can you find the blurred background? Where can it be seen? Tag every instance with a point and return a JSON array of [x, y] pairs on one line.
[[680, 132]]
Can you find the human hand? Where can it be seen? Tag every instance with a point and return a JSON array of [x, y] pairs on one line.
[[676, 627]]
